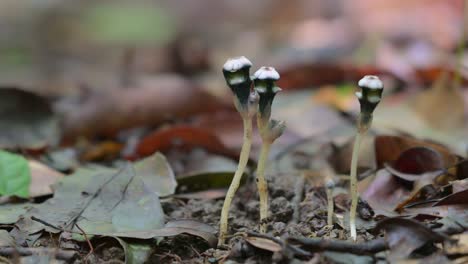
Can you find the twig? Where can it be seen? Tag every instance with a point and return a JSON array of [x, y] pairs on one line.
[[22, 251], [91, 248], [320, 244]]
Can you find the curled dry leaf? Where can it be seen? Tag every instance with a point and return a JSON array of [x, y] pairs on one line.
[[263, 243], [389, 148], [404, 236], [413, 176]]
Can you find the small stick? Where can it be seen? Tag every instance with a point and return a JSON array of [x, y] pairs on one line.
[[320, 244], [91, 248]]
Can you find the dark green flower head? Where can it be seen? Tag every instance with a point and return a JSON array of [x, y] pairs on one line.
[[237, 74], [370, 94], [265, 85]]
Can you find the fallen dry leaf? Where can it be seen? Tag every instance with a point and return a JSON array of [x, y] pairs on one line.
[[42, 179], [389, 148], [158, 100], [442, 106], [182, 137], [264, 243], [404, 236]]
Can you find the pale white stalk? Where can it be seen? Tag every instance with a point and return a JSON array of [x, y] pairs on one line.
[[353, 183], [262, 184], [243, 159]]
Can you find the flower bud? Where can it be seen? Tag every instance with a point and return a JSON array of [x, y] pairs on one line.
[[253, 103], [370, 94], [264, 82], [329, 184], [275, 129], [236, 71]]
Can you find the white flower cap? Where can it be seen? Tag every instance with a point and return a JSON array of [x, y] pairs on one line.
[[371, 81], [267, 73], [235, 64]]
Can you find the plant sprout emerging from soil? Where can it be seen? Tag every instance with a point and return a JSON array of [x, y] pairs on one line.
[[237, 74], [270, 130], [369, 97], [330, 186]]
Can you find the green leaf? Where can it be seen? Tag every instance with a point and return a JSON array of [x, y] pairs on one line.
[[15, 176]]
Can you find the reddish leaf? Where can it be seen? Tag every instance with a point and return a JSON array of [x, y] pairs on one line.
[[183, 137], [418, 160], [107, 150], [296, 76], [153, 102], [454, 198], [389, 148]]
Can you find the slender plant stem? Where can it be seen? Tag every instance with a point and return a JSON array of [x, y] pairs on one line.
[[262, 184], [330, 206], [353, 180], [243, 159], [298, 194]]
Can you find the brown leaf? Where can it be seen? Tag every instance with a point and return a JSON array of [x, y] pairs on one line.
[[442, 106], [455, 198], [264, 243], [300, 75], [389, 148], [419, 160], [106, 150], [404, 236], [42, 179], [182, 137], [385, 192], [152, 103]]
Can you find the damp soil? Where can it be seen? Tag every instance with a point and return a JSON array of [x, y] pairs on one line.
[[244, 217]]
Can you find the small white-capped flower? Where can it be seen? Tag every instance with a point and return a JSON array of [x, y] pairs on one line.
[[330, 184], [267, 73], [371, 81], [235, 64], [370, 94]]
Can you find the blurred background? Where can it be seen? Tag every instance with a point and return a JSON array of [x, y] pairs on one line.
[[113, 65]]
